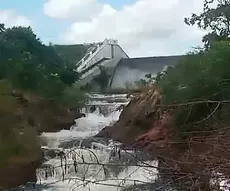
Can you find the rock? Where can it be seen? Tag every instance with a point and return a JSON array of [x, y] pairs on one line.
[[19, 171], [50, 153], [19, 110], [84, 143], [45, 115]]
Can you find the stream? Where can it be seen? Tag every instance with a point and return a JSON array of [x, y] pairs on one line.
[[76, 160]]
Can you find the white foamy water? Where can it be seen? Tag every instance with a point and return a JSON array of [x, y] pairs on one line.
[[85, 127], [100, 167]]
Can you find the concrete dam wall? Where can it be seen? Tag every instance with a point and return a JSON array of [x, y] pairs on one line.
[[123, 71], [130, 70]]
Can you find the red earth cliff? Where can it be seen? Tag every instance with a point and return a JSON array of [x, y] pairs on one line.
[[141, 124], [146, 125]]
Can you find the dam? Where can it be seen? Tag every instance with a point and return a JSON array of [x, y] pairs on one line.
[[130, 70], [123, 70]]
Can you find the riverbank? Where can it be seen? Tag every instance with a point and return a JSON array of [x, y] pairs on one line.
[[90, 154], [38, 93], [146, 124], [141, 124], [19, 170], [30, 115]]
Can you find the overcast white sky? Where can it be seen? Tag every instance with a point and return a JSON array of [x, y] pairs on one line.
[[142, 27]]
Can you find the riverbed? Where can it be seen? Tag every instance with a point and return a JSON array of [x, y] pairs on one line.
[[76, 160]]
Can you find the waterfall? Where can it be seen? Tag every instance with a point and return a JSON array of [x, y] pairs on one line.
[[75, 160]]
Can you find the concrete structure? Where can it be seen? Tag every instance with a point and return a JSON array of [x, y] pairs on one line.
[[124, 71], [107, 54], [128, 71]]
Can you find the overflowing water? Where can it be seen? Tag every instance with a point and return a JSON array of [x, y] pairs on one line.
[[75, 160]]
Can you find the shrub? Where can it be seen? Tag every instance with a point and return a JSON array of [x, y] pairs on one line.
[[202, 76], [73, 96], [16, 136]]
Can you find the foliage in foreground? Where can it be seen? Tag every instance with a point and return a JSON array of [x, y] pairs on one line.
[[73, 96], [200, 77], [215, 18], [29, 66], [32, 66], [203, 75]]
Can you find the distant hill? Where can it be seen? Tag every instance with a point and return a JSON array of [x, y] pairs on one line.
[[72, 53]]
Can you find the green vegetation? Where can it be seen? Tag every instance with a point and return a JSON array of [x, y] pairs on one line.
[[42, 72], [71, 53], [73, 96], [203, 75], [17, 137], [146, 82], [30, 65], [215, 18]]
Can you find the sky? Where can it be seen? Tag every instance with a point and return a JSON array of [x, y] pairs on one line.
[[142, 27]]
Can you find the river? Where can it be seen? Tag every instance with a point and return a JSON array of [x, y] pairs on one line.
[[76, 160]]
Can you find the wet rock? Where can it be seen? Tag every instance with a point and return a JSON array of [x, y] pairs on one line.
[[36, 113], [19, 171], [50, 153], [83, 143], [158, 185], [47, 116]]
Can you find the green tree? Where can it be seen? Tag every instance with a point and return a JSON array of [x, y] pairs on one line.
[[201, 75], [31, 65], [146, 82], [69, 76], [197, 78], [41, 74], [216, 18]]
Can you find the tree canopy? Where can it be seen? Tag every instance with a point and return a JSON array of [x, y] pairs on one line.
[[39, 71], [30, 65], [214, 18], [203, 75]]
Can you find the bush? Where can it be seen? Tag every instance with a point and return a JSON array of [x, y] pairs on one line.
[[29, 66], [202, 76], [73, 96], [32, 66], [147, 82], [16, 136]]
